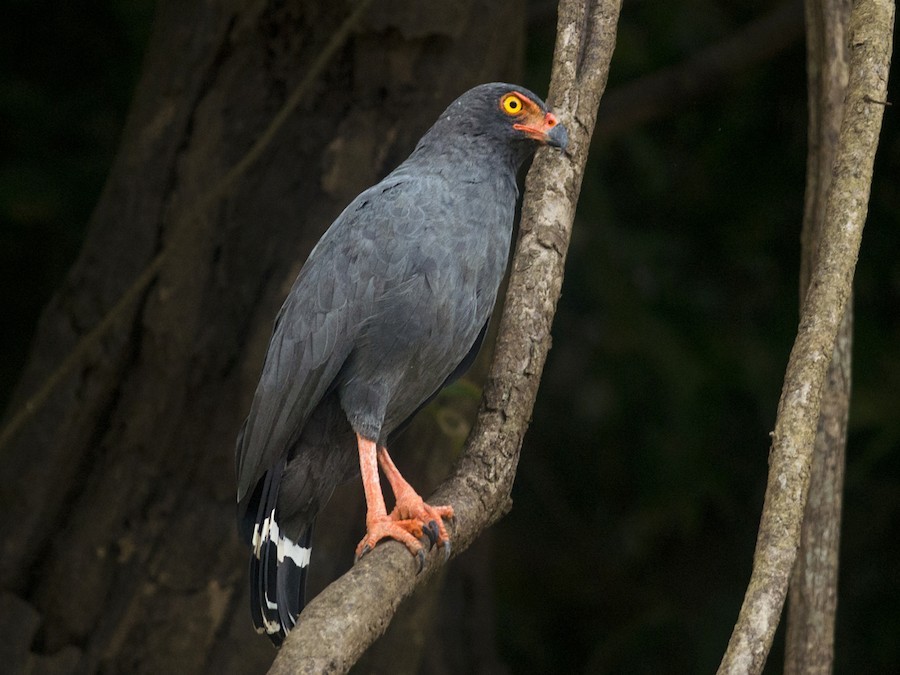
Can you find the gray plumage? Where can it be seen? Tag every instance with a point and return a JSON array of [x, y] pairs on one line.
[[390, 303]]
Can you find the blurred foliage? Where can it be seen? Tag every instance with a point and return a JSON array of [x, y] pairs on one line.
[[641, 482]]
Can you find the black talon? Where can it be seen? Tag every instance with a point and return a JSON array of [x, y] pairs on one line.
[[432, 532], [446, 550], [420, 556], [365, 550]]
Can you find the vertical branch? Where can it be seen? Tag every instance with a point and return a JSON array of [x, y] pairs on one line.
[[813, 588], [871, 31]]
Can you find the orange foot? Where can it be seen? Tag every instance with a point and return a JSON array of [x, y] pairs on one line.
[[410, 519], [410, 506], [407, 532]]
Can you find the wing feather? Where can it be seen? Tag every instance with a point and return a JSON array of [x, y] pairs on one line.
[[313, 336], [310, 342]]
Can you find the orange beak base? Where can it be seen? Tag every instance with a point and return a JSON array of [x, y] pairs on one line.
[[547, 131]]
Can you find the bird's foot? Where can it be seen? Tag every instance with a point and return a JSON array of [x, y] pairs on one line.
[[410, 519], [407, 532], [411, 506]]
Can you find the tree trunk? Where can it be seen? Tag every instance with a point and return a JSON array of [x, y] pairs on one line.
[[119, 549]]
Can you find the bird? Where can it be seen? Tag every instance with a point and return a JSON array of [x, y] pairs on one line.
[[392, 305]]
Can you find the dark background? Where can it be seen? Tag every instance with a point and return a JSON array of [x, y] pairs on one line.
[[641, 480]]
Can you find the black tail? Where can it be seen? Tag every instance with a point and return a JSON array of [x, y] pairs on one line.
[[278, 562]]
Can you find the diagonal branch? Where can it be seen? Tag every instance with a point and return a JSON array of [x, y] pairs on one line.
[[871, 29], [339, 624]]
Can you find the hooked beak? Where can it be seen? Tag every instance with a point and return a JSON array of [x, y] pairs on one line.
[[548, 131]]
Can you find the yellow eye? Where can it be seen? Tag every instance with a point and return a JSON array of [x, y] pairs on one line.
[[512, 104]]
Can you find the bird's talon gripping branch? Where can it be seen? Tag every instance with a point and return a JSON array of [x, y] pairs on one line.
[[361, 553], [430, 518], [431, 531], [420, 557], [410, 506], [407, 532]]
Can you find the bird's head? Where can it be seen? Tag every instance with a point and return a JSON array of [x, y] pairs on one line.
[[501, 115]]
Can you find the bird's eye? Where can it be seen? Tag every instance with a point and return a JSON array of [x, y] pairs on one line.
[[511, 104]]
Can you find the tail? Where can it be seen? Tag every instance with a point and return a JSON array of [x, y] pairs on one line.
[[279, 562]]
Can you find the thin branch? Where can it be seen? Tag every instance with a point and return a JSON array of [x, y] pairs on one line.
[[812, 601], [871, 30], [339, 624], [812, 605], [88, 341]]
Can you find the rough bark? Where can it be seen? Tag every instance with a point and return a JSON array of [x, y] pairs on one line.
[[117, 522], [351, 613], [871, 30], [813, 589]]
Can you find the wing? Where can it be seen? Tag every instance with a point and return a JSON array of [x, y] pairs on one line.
[[309, 344], [314, 333]]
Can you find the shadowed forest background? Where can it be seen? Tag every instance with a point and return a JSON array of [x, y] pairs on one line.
[[640, 485]]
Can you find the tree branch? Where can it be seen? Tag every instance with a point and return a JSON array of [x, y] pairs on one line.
[[871, 29], [339, 624], [812, 602]]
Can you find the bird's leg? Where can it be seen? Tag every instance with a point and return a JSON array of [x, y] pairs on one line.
[[409, 505], [378, 523]]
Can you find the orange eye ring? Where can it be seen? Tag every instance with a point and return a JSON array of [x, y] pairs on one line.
[[512, 104]]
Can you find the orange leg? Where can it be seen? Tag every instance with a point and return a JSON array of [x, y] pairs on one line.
[[411, 506], [410, 515]]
